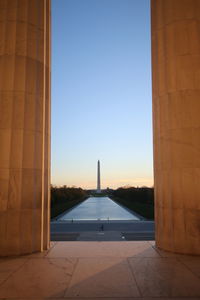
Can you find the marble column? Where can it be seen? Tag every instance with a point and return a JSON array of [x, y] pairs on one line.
[[24, 126], [176, 122]]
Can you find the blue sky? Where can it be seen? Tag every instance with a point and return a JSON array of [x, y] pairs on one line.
[[101, 92]]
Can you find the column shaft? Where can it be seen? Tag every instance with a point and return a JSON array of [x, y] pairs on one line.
[[176, 108], [24, 126]]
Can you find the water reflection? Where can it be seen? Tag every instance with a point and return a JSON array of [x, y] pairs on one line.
[[95, 208]]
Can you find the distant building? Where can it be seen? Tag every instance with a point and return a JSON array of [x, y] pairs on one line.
[[98, 178]]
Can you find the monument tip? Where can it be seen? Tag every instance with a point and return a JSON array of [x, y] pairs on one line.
[[98, 177]]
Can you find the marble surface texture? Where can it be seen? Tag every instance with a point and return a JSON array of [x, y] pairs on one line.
[[101, 270]]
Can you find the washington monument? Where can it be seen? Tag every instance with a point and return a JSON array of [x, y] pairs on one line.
[[98, 178]]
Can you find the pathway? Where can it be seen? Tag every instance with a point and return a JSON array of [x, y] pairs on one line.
[[93, 231]]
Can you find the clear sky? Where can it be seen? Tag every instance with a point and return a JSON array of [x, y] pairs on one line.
[[101, 93]]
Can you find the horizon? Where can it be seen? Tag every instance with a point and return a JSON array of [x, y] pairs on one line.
[[88, 189], [101, 93], [102, 189]]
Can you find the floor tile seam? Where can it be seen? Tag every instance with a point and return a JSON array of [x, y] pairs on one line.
[[150, 242], [188, 268], [168, 255], [15, 271], [155, 249], [61, 258], [66, 289], [83, 297], [94, 298], [82, 257], [133, 275], [86, 257], [34, 255], [99, 257], [50, 248], [127, 297], [153, 257], [108, 297], [105, 297]]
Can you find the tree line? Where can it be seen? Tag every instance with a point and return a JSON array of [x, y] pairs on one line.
[[63, 198], [138, 199]]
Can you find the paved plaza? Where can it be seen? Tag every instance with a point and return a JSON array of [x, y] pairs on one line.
[[102, 230], [101, 270]]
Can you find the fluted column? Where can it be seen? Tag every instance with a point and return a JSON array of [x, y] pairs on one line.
[[176, 118], [24, 125]]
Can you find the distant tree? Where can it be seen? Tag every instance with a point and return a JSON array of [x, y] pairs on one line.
[[63, 198], [139, 199]]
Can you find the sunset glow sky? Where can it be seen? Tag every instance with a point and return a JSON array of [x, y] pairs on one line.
[[101, 93]]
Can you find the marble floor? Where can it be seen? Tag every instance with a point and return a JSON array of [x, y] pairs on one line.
[[101, 270]]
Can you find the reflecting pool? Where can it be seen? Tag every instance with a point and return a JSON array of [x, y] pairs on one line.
[[98, 208]]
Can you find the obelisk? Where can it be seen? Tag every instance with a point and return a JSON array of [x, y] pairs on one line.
[[98, 178]]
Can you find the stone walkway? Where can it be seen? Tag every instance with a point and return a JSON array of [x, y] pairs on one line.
[[101, 270]]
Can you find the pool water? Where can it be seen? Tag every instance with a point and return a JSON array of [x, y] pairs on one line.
[[98, 208]]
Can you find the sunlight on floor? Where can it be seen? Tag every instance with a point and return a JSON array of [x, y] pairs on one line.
[[101, 269]]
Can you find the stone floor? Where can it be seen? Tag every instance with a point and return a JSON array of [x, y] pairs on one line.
[[101, 270]]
